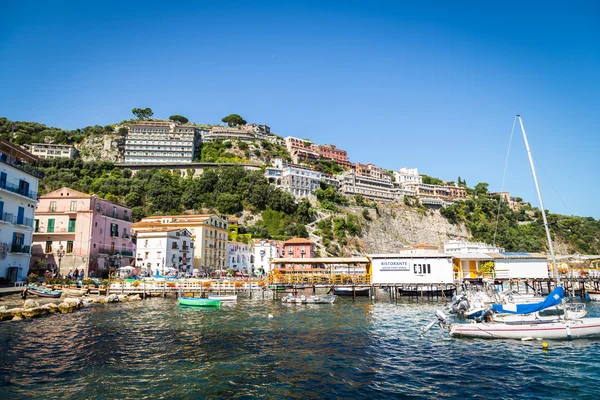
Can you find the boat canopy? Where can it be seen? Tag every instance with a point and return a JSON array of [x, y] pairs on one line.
[[553, 299]]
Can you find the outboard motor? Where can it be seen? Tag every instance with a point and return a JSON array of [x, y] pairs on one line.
[[441, 321]]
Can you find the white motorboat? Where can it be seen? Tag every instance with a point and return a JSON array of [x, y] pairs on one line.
[[569, 311], [308, 299], [223, 297]]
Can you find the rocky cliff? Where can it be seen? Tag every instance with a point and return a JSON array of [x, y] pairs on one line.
[[102, 148]]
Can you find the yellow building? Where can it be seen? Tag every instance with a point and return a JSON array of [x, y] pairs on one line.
[[208, 230]]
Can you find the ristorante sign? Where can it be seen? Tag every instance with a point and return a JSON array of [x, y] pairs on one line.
[[392, 265]]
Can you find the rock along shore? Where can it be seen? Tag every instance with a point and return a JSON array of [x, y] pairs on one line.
[[12, 308]]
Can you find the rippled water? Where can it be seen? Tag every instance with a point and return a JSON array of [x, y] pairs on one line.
[[351, 349]]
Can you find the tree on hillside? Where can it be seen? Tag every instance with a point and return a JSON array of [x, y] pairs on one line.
[[142, 113], [234, 120], [179, 118], [481, 188], [428, 180]]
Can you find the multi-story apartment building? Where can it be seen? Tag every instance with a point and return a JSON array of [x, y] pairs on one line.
[[18, 197], [457, 192], [301, 150], [47, 150], [330, 152], [78, 230], [373, 171], [210, 233], [408, 175], [299, 181], [264, 251], [369, 187], [512, 202], [239, 258], [159, 142], [165, 250]]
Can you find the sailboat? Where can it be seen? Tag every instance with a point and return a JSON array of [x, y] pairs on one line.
[[563, 327]]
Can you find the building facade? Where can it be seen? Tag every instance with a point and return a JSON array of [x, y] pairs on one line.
[[264, 251], [297, 248], [338, 156], [210, 233], [412, 269], [352, 183], [47, 150], [239, 258], [164, 251], [300, 182], [75, 230], [408, 175], [156, 142], [18, 198], [217, 133]]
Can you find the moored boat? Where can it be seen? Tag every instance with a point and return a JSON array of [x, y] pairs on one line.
[[594, 295], [351, 291], [198, 302], [42, 292], [308, 299], [566, 329], [223, 297], [425, 291]]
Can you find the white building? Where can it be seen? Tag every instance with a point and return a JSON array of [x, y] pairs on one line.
[[520, 266], [163, 250], [159, 142], [411, 269], [408, 175], [48, 150], [239, 257], [463, 246], [299, 181], [264, 251], [369, 187], [18, 198]]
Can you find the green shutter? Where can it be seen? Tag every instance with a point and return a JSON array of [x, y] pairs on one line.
[[71, 225], [51, 225]]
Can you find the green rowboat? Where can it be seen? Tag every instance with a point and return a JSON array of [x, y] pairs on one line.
[[199, 302]]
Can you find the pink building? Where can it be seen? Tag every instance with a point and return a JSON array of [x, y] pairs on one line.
[[77, 230], [297, 248]]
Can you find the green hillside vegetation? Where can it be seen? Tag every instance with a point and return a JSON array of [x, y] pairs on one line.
[[33, 132], [159, 191], [523, 230]]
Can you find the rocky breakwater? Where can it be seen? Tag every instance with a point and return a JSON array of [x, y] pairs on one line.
[[33, 308]]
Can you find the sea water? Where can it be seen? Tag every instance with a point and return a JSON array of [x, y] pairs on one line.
[[361, 348]]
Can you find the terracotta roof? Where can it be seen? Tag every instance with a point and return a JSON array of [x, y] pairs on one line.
[[72, 193], [297, 240], [152, 217]]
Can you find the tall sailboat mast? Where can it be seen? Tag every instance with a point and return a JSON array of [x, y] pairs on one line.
[[537, 187]]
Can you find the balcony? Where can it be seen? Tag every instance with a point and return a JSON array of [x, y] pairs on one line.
[[125, 236], [7, 217], [113, 252], [18, 190], [185, 248], [24, 222], [60, 230], [20, 249]]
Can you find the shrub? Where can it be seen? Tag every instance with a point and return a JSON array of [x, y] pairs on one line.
[[32, 278]]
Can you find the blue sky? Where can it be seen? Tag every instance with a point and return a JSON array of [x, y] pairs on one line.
[[432, 85]]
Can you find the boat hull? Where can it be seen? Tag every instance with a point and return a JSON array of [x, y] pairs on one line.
[[594, 295], [351, 292], [223, 297], [572, 329], [309, 299], [53, 294], [198, 302], [426, 292]]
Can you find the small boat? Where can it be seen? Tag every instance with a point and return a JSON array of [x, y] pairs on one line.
[[42, 292], [351, 291], [75, 292], [278, 287], [223, 297], [426, 291], [594, 295], [308, 299], [198, 302], [568, 311]]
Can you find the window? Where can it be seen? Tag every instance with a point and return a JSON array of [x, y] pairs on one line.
[[114, 230], [112, 247], [2, 179], [146, 255], [73, 206], [97, 206], [51, 225], [69, 246], [48, 248], [53, 206], [71, 225], [146, 243], [20, 215], [36, 226], [123, 248], [114, 212]]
